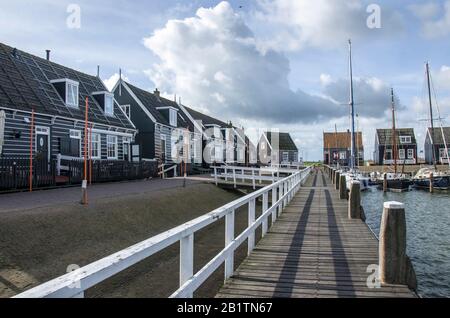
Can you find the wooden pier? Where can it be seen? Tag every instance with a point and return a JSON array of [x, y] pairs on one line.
[[313, 250]]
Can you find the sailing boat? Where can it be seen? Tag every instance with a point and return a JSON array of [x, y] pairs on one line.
[[441, 179], [396, 182], [353, 174]]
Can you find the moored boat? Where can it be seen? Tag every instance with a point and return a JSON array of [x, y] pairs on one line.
[[441, 180]]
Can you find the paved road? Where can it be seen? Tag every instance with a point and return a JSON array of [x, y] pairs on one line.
[[25, 200]]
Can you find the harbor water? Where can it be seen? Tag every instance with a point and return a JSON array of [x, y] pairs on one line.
[[428, 234]]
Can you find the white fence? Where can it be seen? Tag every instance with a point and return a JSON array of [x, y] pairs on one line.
[[74, 284], [254, 175]]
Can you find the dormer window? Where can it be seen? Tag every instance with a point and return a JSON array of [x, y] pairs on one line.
[[106, 102], [170, 113], [405, 139], [109, 105], [68, 90], [173, 117]]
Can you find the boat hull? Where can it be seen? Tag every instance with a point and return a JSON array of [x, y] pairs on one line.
[[397, 185], [439, 183]]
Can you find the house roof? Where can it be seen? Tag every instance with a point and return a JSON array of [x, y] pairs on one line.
[[341, 140], [285, 140], [438, 139], [25, 84], [205, 119], [385, 135], [152, 102]]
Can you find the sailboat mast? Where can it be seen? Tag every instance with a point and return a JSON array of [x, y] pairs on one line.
[[352, 105], [394, 133], [431, 114]]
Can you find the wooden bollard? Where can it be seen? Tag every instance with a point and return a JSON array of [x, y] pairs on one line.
[[332, 176], [395, 266], [343, 195], [385, 183], [431, 182], [337, 180], [354, 202]]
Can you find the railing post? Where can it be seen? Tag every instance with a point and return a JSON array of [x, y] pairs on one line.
[[186, 260], [215, 176], [260, 176], [354, 202], [251, 220], [274, 201], [234, 177], [280, 195], [243, 175], [253, 179], [337, 180], [395, 265], [343, 195], [226, 174], [265, 207], [229, 237], [285, 192]]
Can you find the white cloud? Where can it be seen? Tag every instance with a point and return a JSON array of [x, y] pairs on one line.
[[442, 78], [321, 23], [111, 81], [217, 65], [434, 25], [213, 61]]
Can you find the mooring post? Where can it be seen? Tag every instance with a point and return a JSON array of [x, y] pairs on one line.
[[354, 202], [343, 194], [333, 174], [337, 178], [431, 182], [395, 266], [385, 183]]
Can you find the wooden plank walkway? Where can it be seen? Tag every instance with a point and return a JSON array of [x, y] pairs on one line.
[[313, 250]]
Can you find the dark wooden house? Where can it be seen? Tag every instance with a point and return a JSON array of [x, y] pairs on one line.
[[439, 141], [165, 131], [35, 92], [277, 148], [337, 148], [406, 147]]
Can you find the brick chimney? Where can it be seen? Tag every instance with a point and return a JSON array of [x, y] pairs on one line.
[[48, 54], [157, 93]]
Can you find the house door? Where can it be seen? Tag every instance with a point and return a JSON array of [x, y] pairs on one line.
[[43, 142], [163, 149], [126, 150]]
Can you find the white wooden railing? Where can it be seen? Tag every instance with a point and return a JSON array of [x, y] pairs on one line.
[[244, 174], [163, 171], [74, 284]]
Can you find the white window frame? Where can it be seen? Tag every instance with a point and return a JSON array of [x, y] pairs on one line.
[[108, 143], [442, 154], [76, 134], [70, 84], [99, 146], [127, 110], [285, 154], [401, 154], [342, 155], [405, 139], [410, 153], [173, 117], [111, 112]]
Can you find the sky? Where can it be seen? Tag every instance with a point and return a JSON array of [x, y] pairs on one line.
[[262, 64]]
